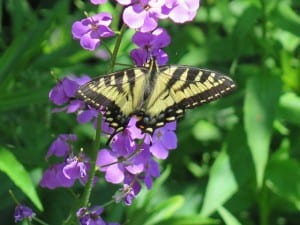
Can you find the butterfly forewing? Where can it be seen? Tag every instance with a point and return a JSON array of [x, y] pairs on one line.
[[116, 93], [182, 87]]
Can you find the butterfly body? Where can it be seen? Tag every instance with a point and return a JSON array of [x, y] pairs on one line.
[[156, 95]]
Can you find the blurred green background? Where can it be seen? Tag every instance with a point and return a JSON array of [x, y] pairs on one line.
[[237, 160]]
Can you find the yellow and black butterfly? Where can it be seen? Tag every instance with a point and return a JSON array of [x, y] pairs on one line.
[[155, 94]]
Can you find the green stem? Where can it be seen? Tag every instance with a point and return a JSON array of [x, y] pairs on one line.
[[39, 221], [117, 47], [263, 203], [96, 146]]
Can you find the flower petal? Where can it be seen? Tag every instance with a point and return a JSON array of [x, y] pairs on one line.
[[104, 159], [79, 29], [132, 18], [89, 43], [159, 151], [114, 174]]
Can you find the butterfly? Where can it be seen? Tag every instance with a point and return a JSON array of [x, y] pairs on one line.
[[155, 94]]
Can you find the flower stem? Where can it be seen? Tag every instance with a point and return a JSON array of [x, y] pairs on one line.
[[117, 47], [96, 146], [39, 221]]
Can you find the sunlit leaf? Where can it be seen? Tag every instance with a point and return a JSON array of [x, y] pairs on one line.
[[17, 173], [261, 102], [228, 218]]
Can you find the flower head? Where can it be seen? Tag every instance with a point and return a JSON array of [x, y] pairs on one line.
[[65, 174], [61, 146], [126, 194], [22, 212], [142, 15], [181, 11], [64, 94], [163, 140], [150, 45], [90, 216], [90, 30], [65, 90]]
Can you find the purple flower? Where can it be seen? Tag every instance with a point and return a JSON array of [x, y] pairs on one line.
[[151, 167], [61, 146], [77, 168], [163, 140], [150, 45], [181, 11], [126, 194], [54, 177], [85, 116], [117, 164], [90, 30], [63, 91], [65, 174], [66, 89], [90, 216], [22, 212], [143, 14], [108, 162]]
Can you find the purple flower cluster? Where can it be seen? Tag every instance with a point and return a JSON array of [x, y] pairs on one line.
[[150, 44], [71, 169], [143, 16], [131, 159]]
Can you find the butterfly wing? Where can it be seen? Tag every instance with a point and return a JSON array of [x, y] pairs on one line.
[[118, 93], [178, 88]]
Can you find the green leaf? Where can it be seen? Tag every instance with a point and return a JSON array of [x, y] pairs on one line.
[[188, 220], [165, 210], [286, 18], [261, 101], [17, 173], [231, 170], [283, 178], [289, 108], [206, 131], [24, 98], [243, 28], [221, 176], [228, 218]]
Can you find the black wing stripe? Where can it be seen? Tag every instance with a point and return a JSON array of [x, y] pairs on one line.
[[175, 76]]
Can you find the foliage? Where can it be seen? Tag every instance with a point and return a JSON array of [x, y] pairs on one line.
[[238, 159]]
